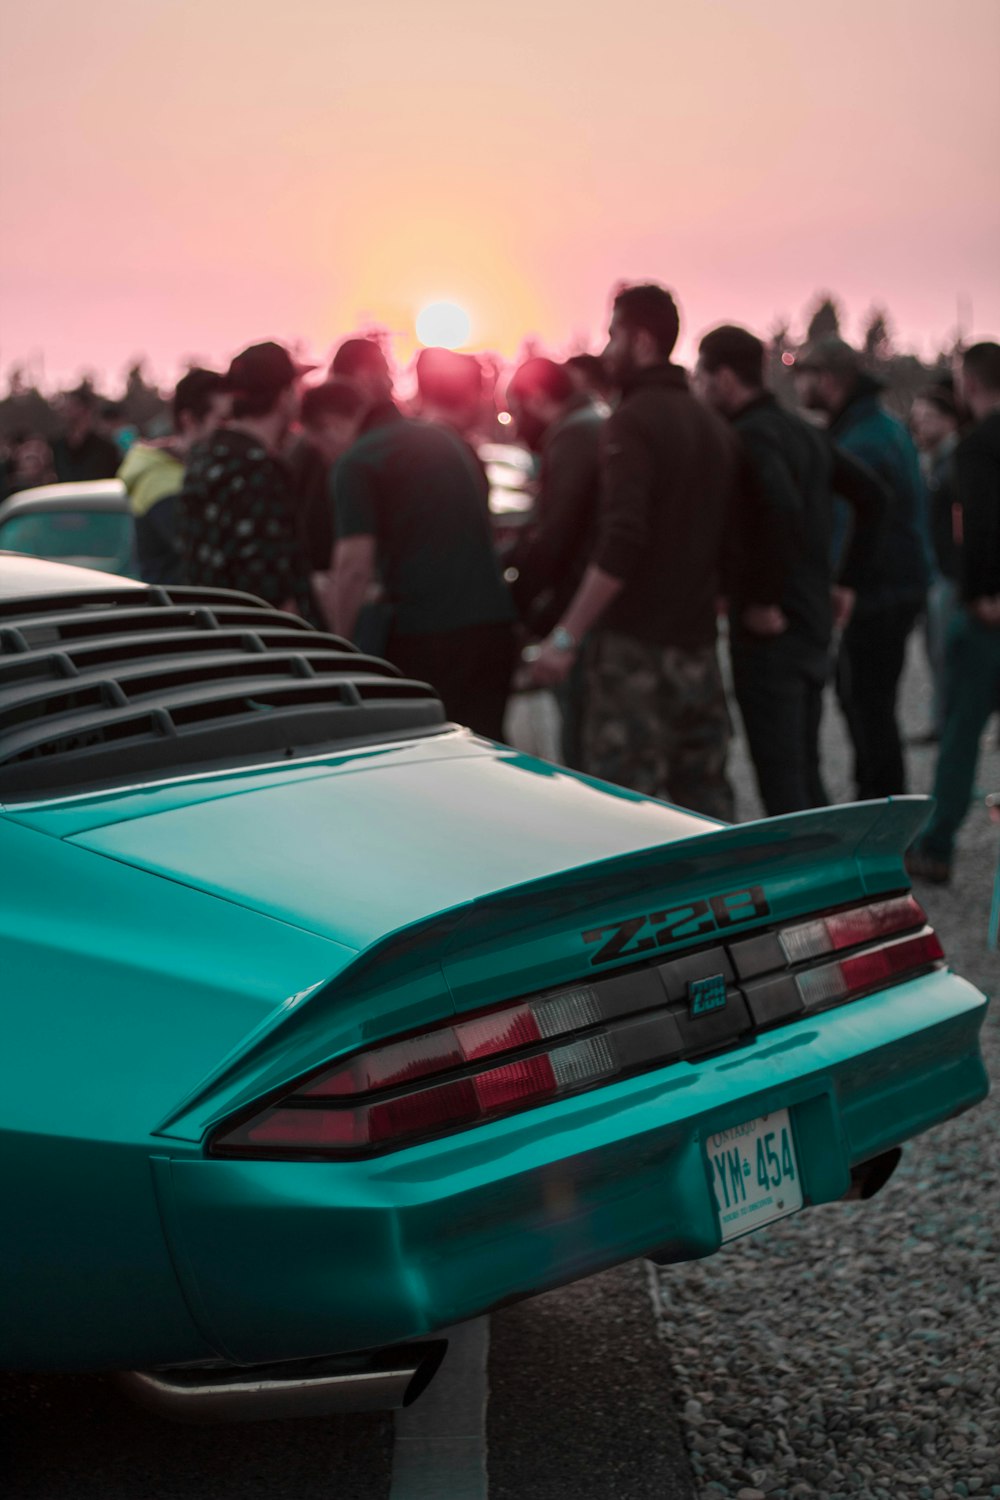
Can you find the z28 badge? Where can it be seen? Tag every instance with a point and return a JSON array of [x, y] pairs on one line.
[[658, 929]]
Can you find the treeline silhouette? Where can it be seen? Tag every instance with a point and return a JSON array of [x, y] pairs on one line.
[[26, 410]]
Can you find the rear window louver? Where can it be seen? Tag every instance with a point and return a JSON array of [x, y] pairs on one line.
[[119, 684]]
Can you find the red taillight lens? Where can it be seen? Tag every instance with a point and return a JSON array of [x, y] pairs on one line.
[[305, 1129], [869, 971], [504, 1030], [423, 1113], [849, 929], [291, 1132]]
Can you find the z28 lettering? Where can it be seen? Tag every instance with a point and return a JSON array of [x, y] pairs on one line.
[[658, 929]]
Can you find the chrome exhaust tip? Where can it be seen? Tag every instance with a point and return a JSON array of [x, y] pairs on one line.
[[380, 1380], [870, 1177]]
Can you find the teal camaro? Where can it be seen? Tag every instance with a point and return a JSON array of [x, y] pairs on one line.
[[327, 1024]]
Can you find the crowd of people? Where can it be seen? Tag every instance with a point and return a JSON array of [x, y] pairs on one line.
[[664, 505]]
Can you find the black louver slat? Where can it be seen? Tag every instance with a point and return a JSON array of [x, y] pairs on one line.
[[114, 684]]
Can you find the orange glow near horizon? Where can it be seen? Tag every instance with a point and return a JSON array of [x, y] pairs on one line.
[[179, 180]]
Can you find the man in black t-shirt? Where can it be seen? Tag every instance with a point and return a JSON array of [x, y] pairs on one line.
[[408, 505]]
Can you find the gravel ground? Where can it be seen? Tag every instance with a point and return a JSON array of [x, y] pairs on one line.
[[854, 1350]]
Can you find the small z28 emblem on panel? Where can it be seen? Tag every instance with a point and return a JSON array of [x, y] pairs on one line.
[[658, 929]]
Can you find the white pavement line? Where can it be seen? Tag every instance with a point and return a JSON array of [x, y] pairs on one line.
[[440, 1448]]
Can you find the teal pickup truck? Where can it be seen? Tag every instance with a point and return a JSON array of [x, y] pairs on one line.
[[327, 1024]]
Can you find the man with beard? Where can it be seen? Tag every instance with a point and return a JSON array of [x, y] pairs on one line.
[[238, 525], [564, 427], [655, 716], [830, 379], [785, 597]]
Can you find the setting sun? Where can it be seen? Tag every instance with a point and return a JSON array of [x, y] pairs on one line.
[[443, 325]]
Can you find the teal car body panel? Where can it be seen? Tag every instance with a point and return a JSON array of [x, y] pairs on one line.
[[178, 950]]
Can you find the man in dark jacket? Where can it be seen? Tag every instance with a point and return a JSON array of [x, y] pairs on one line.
[[873, 650], [546, 563], [82, 452], [934, 422], [784, 595], [973, 664], [655, 716], [564, 427]]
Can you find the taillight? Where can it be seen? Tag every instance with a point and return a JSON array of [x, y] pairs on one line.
[[868, 971], [504, 1030], [290, 1129], [531, 1051], [851, 928]]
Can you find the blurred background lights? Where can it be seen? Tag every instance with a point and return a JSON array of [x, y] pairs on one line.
[[443, 325]]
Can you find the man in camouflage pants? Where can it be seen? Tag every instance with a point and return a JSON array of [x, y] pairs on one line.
[[655, 716], [656, 721]]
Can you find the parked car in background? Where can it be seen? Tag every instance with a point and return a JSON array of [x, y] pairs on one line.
[[510, 472], [87, 523], [327, 1024]]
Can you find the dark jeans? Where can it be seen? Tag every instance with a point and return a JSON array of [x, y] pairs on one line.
[[972, 688], [471, 669], [779, 689], [869, 667]]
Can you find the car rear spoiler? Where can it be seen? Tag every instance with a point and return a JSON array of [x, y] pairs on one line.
[[551, 932]]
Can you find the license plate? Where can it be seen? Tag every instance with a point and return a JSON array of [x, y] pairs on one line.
[[755, 1173]]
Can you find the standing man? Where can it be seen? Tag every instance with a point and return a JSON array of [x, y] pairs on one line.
[[82, 452], [564, 427], [934, 422], [655, 716], [784, 596], [363, 362], [408, 506], [450, 392], [330, 416], [238, 526], [973, 661], [153, 473], [890, 601]]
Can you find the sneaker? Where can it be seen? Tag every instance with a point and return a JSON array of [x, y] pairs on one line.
[[929, 867]]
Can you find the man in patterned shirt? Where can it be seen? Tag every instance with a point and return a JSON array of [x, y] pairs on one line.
[[238, 527]]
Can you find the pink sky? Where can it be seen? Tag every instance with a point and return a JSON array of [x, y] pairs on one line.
[[181, 177]]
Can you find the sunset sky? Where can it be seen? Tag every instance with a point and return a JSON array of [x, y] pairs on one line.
[[181, 177]]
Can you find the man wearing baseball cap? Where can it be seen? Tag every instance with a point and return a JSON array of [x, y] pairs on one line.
[[237, 512]]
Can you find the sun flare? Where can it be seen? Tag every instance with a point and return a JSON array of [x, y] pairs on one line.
[[443, 325]]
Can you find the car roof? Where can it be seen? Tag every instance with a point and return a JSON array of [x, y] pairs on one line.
[[84, 494], [23, 577]]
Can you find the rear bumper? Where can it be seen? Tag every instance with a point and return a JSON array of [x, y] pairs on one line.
[[286, 1259]]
